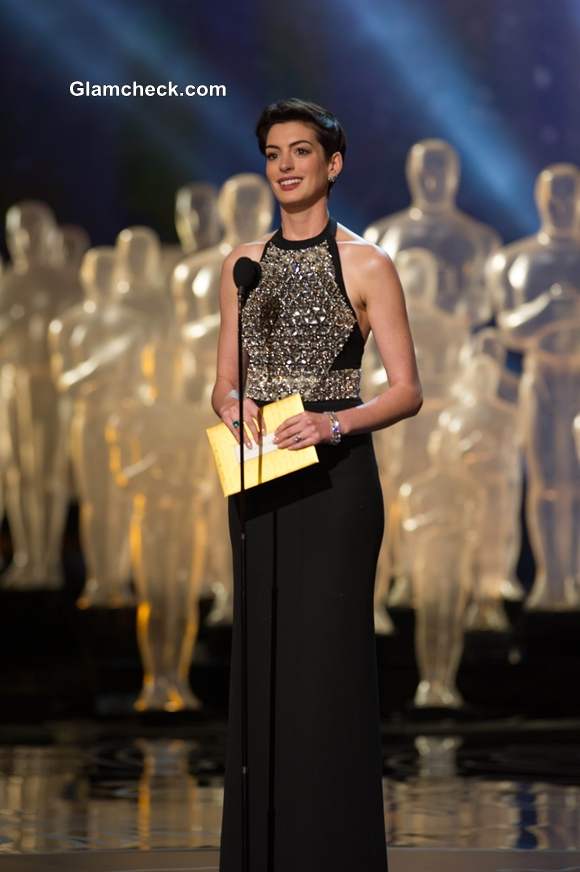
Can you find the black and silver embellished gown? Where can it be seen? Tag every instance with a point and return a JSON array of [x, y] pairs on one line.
[[312, 543]]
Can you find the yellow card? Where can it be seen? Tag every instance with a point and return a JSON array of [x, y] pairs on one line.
[[261, 462]]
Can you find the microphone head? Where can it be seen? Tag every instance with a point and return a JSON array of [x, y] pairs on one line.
[[247, 273]]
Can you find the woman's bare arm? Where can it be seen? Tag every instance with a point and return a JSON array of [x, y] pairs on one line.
[[227, 351], [387, 314]]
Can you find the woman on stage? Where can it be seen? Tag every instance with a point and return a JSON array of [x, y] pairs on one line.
[[312, 536]]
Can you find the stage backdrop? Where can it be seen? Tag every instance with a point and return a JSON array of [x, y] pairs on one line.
[[499, 79]]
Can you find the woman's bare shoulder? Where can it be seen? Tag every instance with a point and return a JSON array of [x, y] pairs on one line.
[[357, 246]]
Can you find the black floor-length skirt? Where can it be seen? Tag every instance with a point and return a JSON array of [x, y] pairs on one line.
[[312, 543]]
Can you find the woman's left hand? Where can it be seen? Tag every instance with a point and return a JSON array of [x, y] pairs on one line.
[[312, 427]]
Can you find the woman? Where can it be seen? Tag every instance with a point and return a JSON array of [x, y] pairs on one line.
[[312, 536]]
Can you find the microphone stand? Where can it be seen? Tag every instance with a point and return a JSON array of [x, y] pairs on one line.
[[242, 290], [243, 615]]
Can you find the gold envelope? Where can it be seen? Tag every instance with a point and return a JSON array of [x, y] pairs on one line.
[[261, 462]]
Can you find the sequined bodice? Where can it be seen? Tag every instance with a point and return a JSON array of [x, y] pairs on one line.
[[298, 325]]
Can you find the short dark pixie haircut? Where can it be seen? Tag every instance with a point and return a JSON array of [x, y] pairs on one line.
[[327, 127]]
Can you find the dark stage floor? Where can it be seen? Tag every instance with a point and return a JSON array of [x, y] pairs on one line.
[[400, 860], [147, 795]]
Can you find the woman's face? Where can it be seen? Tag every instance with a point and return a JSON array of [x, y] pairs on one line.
[[296, 165]]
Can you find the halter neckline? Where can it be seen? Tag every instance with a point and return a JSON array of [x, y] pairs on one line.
[[328, 231]]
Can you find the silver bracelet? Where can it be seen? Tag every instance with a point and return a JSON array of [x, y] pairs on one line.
[[336, 435], [233, 394]]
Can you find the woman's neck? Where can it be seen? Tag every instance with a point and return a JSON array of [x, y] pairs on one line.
[[305, 224]]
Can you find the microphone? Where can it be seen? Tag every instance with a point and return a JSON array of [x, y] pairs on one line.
[[247, 274]]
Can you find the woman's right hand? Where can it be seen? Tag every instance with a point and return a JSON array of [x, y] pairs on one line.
[[253, 419]]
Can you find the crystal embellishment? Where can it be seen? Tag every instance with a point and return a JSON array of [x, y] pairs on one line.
[[294, 324]]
